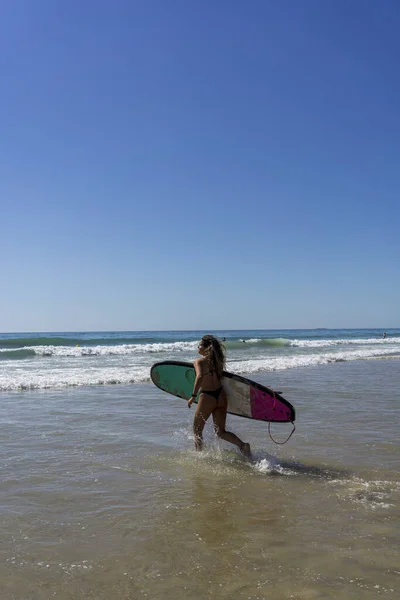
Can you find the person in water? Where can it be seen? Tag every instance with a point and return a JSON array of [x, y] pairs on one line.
[[212, 399]]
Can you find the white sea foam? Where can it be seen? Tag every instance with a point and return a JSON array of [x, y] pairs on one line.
[[272, 466], [64, 366], [61, 378], [370, 494], [122, 349], [343, 342], [265, 463], [279, 363], [180, 347]]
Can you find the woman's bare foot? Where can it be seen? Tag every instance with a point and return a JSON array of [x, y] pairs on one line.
[[245, 449]]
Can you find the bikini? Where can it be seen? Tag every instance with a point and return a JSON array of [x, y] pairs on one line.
[[213, 393]]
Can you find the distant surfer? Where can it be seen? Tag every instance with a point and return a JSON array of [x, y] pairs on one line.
[[384, 335], [212, 398]]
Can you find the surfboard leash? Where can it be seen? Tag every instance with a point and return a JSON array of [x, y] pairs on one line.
[[287, 439], [269, 426]]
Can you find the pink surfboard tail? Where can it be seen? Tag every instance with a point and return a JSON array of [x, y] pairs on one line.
[[267, 406]]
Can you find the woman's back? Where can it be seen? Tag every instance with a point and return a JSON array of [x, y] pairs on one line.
[[209, 376]]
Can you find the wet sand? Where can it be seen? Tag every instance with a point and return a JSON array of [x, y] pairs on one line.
[[103, 497]]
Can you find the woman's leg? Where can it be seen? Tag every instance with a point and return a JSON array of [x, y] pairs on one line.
[[219, 417], [205, 406]]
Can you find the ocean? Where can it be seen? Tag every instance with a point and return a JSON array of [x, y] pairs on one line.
[[50, 360], [103, 497]]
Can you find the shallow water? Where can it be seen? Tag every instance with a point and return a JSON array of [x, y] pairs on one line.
[[103, 497]]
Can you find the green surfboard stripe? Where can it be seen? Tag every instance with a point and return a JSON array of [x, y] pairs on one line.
[[178, 381]]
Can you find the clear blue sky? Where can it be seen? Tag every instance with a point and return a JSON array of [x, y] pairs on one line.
[[199, 164]]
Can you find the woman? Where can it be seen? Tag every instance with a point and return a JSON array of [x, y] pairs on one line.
[[212, 397]]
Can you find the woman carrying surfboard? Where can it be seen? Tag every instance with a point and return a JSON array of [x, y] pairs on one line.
[[212, 398]]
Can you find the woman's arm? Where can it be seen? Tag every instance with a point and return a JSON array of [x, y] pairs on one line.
[[198, 367]]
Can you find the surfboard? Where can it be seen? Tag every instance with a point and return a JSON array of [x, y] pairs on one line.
[[246, 398]]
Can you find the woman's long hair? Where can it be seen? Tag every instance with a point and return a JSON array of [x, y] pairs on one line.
[[214, 353]]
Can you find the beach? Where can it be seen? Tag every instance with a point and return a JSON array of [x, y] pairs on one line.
[[171, 169], [103, 496]]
